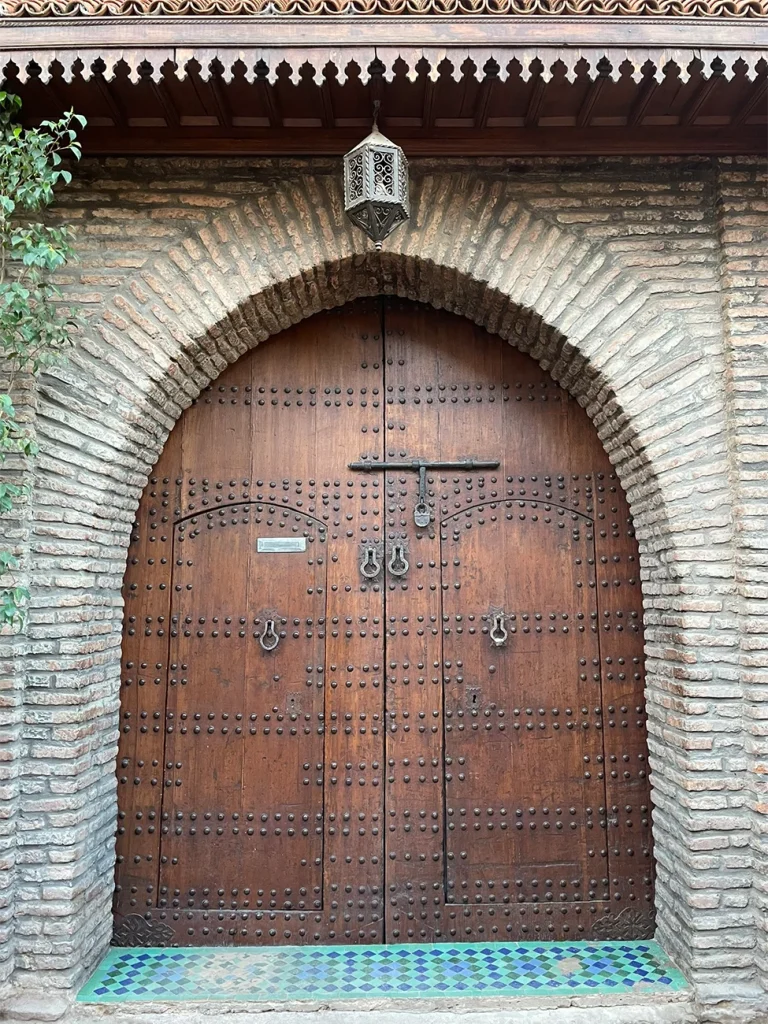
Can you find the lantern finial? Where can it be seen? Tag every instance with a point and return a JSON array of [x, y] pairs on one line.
[[376, 184]]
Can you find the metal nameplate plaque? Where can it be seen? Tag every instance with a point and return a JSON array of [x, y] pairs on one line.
[[265, 544]]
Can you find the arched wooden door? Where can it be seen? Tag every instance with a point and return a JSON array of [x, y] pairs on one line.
[[383, 657]]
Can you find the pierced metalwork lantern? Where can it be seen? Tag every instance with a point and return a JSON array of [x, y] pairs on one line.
[[376, 186]]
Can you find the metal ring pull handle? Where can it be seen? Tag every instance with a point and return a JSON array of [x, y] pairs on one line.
[[498, 630], [398, 563], [270, 638], [370, 566]]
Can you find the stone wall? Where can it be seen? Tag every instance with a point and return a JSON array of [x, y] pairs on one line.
[[635, 282]]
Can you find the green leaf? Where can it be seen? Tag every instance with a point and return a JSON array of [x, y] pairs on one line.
[[8, 561], [12, 611], [35, 327]]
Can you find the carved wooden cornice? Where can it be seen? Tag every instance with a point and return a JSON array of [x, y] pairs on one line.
[[340, 8], [337, 47]]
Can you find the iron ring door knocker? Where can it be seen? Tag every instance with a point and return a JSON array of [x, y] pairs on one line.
[[370, 567], [270, 638], [498, 630], [398, 563]]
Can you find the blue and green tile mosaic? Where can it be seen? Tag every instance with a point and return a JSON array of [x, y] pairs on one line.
[[361, 972]]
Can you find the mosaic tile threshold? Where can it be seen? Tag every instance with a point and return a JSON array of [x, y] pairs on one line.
[[323, 973]]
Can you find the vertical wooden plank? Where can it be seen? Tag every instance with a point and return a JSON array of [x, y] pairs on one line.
[[349, 427], [414, 806], [146, 628], [443, 386]]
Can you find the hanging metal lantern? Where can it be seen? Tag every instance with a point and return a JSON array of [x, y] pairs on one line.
[[376, 185]]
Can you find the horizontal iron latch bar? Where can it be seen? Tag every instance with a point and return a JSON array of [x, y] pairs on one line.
[[418, 464]]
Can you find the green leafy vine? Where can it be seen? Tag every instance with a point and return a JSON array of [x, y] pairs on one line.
[[35, 326]]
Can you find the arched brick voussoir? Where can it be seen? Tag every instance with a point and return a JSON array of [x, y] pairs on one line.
[[471, 247]]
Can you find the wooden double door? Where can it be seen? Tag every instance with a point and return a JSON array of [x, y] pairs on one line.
[[383, 658]]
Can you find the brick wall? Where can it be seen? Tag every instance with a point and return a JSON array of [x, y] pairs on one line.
[[633, 281], [16, 528], [742, 214]]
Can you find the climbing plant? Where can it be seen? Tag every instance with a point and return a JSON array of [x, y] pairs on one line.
[[35, 326]]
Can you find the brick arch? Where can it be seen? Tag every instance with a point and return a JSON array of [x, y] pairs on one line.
[[614, 339]]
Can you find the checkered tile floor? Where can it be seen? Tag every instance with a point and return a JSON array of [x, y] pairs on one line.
[[360, 972]]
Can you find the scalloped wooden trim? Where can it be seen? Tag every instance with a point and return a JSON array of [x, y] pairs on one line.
[[439, 8]]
